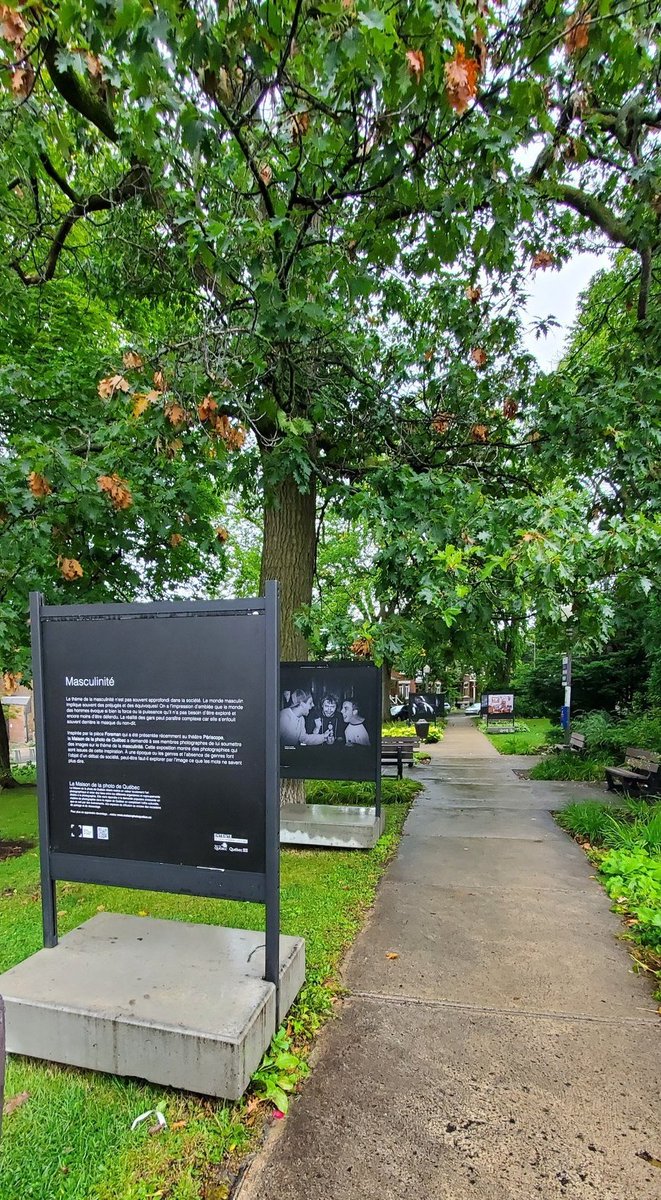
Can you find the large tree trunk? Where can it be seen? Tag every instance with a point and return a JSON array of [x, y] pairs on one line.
[[289, 556], [6, 778]]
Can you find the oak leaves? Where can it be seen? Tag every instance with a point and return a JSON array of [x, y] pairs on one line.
[[461, 75]]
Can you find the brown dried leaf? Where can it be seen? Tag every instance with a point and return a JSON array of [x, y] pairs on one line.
[[175, 414], [461, 75], [176, 539], [441, 423], [94, 65], [473, 294], [22, 80], [300, 123], [15, 1102], [510, 408], [12, 26], [265, 173], [221, 533], [70, 568], [117, 490], [10, 682], [233, 436], [113, 383], [159, 381], [415, 61], [39, 485], [429, 354], [206, 408], [479, 356], [577, 34], [132, 361], [542, 260], [480, 433], [391, 954]]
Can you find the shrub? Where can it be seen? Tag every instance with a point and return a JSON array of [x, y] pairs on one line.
[[345, 791], [604, 732], [25, 773], [601, 731], [588, 820], [566, 765]]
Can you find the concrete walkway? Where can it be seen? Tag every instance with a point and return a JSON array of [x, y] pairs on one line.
[[508, 1052]]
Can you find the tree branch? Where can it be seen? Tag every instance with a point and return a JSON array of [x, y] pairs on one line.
[[80, 97], [135, 181]]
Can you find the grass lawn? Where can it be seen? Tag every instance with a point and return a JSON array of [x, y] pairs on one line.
[[522, 743], [71, 1139]]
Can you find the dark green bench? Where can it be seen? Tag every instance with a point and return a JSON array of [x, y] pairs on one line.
[[640, 773], [398, 752]]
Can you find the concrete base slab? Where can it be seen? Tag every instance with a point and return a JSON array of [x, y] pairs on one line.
[[344, 827], [178, 1004]]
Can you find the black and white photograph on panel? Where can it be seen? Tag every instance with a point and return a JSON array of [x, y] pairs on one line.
[[156, 737], [426, 706], [330, 720]]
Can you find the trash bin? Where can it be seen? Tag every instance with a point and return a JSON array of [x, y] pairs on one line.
[[422, 729]]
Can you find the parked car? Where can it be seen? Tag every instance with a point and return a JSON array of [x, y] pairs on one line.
[[473, 710]]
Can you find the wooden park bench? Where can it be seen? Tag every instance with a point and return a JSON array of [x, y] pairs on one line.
[[398, 751], [641, 772], [576, 744]]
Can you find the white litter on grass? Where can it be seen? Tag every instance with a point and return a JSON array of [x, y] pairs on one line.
[[152, 1112]]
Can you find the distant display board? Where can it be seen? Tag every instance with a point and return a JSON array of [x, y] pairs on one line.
[[500, 704], [426, 706], [330, 720]]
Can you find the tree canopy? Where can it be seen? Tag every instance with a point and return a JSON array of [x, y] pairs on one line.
[[314, 222]]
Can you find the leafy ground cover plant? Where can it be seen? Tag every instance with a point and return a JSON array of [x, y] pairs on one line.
[[632, 878], [45, 1152], [625, 844]]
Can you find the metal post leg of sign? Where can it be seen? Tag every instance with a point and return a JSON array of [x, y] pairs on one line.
[[48, 903], [377, 790], [272, 677]]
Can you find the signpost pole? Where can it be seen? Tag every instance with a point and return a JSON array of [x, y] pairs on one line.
[[272, 782], [48, 904], [566, 712]]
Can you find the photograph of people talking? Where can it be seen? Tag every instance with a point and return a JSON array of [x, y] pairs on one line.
[[329, 720]]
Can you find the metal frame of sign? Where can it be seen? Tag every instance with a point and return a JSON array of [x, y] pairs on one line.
[[262, 888], [338, 665]]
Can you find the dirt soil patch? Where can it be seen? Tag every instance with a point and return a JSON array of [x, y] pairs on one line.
[[14, 849]]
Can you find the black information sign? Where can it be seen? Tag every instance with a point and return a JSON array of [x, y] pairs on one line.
[[157, 745], [330, 720]]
